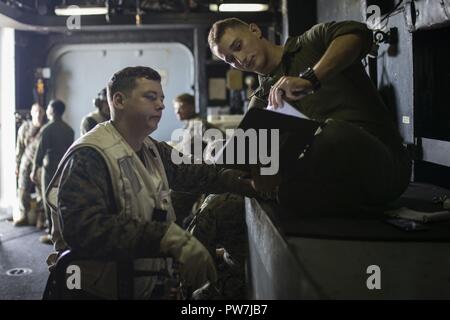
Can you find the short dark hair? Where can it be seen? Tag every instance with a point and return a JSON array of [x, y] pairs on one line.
[[186, 98], [58, 107], [102, 94], [125, 79], [218, 29], [101, 97]]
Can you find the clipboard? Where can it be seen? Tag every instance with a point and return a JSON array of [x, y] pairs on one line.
[[295, 135]]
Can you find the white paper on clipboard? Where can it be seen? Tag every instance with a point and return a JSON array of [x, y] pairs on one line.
[[289, 110]]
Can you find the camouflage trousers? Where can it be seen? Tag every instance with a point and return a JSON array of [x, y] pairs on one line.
[[46, 178], [25, 188], [220, 223], [185, 205], [344, 169]]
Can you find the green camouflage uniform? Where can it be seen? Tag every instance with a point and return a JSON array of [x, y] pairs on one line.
[[186, 203], [225, 211], [89, 214], [27, 139], [220, 223], [358, 158]]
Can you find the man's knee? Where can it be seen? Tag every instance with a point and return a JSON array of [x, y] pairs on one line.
[[319, 199]]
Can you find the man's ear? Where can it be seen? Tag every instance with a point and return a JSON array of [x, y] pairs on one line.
[[192, 110], [215, 51], [255, 30], [118, 100]]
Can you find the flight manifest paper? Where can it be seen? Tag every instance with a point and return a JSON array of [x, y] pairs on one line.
[[288, 109]]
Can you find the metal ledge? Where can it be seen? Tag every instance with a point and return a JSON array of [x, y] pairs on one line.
[[436, 151], [307, 267], [275, 271]]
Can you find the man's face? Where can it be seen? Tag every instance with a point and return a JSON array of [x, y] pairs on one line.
[[50, 112], [183, 111], [243, 49], [143, 106], [37, 112]]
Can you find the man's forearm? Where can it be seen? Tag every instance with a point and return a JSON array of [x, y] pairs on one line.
[[341, 53], [19, 155], [34, 168], [38, 157], [201, 178]]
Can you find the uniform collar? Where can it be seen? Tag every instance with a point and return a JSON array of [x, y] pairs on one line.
[[291, 46]]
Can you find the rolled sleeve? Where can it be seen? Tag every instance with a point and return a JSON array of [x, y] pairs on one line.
[[324, 33]]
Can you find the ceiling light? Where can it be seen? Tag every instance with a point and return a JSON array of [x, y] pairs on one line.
[[80, 11], [236, 7]]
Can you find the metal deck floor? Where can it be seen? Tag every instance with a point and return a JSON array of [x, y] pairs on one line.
[[20, 248]]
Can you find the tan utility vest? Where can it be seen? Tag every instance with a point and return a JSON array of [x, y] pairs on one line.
[[138, 190]]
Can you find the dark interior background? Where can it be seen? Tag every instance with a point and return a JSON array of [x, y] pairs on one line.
[[411, 71]]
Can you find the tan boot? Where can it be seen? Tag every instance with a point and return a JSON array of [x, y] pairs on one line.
[[46, 238], [41, 222], [21, 222]]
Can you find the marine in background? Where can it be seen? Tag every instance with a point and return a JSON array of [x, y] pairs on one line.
[[27, 141], [101, 114]]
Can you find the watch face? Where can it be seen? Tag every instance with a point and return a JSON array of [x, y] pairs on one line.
[[304, 74]]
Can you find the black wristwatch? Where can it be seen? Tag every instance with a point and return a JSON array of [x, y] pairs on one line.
[[309, 75]]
